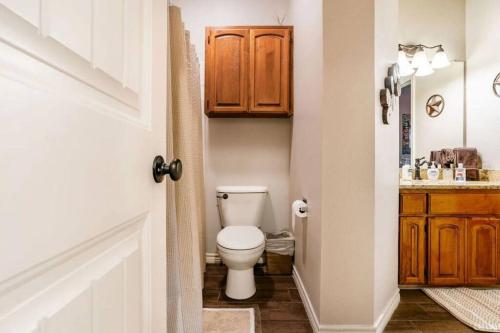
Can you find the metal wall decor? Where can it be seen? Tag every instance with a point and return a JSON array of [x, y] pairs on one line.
[[496, 85], [386, 102], [391, 92], [434, 106]]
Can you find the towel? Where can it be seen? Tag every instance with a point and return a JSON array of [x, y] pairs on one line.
[[467, 156], [447, 157], [436, 156]]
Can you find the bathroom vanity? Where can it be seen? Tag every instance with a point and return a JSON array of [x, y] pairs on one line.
[[449, 233]]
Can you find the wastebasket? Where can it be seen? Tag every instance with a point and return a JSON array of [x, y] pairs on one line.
[[280, 248]]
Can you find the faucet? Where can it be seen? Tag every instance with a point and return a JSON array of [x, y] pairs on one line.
[[418, 163]]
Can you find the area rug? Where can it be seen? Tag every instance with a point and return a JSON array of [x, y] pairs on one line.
[[477, 308], [234, 320]]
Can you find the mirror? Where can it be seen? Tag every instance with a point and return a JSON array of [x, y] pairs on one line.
[[432, 112]]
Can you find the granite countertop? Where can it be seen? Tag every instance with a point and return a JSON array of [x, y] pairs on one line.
[[448, 185]]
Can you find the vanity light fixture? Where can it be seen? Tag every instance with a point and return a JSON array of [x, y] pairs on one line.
[[424, 69], [405, 68], [420, 58], [440, 59], [413, 57]]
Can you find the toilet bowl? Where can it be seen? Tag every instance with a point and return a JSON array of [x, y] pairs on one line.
[[240, 247], [240, 243]]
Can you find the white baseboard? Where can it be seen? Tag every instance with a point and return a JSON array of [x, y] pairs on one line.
[[313, 318], [377, 327], [212, 258]]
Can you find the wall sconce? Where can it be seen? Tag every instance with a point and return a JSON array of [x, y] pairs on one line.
[[412, 59]]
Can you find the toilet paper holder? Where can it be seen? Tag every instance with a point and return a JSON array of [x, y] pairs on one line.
[[303, 209]]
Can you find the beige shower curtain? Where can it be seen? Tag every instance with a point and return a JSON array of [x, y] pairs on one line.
[[186, 206]]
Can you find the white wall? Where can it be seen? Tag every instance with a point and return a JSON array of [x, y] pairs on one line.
[[386, 222], [483, 64], [446, 130], [305, 168], [432, 22], [241, 151]]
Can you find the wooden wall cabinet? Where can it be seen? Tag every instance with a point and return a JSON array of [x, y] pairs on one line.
[[248, 71], [448, 240]]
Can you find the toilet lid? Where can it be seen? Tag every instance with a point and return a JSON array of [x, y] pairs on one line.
[[240, 237]]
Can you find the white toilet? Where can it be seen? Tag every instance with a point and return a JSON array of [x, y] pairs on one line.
[[240, 243]]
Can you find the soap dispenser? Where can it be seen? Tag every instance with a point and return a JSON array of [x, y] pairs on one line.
[[448, 173], [406, 173], [433, 173], [460, 173]]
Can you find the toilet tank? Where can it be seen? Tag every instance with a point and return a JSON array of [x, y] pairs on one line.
[[241, 205]]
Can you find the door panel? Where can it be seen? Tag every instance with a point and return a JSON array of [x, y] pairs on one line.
[[412, 245], [447, 251], [269, 70], [227, 70], [81, 215], [482, 251]]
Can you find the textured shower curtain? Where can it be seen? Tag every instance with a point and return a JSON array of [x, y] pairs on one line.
[[186, 206]]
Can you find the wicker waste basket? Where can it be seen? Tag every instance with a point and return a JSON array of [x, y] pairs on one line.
[[279, 252]]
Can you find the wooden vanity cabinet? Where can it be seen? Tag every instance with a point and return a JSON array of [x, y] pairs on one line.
[[446, 251], [448, 240], [248, 71], [483, 251], [412, 247]]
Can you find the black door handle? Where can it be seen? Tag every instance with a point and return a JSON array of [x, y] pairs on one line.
[[160, 169]]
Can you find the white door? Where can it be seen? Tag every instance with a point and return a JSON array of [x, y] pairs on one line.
[[82, 115]]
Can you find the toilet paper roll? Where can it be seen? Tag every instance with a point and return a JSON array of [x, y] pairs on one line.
[[299, 209]]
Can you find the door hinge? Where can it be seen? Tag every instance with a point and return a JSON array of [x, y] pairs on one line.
[[208, 40], [208, 103]]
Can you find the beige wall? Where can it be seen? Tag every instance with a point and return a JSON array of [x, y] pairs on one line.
[[432, 22], [348, 156], [338, 98], [483, 64], [305, 176], [241, 151]]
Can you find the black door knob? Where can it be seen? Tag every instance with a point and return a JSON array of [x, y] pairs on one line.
[[160, 169]]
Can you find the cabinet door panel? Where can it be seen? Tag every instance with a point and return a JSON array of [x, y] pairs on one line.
[[227, 70], [482, 251], [447, 251], [412, 252], [269, 70]]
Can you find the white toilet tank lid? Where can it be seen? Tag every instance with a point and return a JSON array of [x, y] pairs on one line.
[[241, 189]]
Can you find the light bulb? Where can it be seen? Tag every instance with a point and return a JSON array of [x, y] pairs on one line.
[[420, 58], [440, 59], [424, 69], [405, 68], [403, 59]]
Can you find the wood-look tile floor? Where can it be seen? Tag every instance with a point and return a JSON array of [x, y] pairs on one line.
[[278, 307], [417, 313], [277, 303]]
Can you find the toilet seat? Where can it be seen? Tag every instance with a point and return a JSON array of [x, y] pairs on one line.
[[240, 237]]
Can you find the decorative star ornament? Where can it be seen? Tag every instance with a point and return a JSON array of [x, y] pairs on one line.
[[435, 105], [496, 85]]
